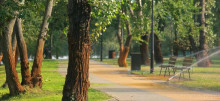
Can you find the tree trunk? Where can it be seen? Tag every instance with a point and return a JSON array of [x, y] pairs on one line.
[[202, 39], [14, 42], [57, 54], [158, 53], [124, 49], [17, 53], [121, 63], [14, 52], [175, 46], [26, 76], [77, 78], [36, 68], [51, 46], [12, 78], [144, 49], [1, 54]]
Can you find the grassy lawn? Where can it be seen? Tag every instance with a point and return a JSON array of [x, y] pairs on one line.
[[202, 77], [112, 61], [52, 86]]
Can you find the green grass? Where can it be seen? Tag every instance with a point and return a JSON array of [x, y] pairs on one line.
[[201, 78], [52, 86], [112, 61]]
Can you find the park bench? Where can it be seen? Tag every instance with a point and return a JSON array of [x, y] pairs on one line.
[[187, 63], [172, 62]]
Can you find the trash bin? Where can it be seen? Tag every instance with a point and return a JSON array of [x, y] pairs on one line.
[[111, 54], [136, 61]]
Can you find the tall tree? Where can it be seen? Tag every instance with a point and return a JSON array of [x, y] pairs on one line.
[[202, 39], [144, 36], [175, 47], [36, 68], [217, 21], [77, 78], [124, 47], [12, 78], [144, 49], [158, 52], [26, 77]]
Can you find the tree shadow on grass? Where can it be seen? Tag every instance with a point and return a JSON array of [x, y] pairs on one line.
[[5, 97]]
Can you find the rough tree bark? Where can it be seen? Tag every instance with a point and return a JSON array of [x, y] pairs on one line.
[[36, 68], [202, 39], [14, 52], [26, 76], [157, 44], [157, 48], [12, 78], [144, 49], [77, 78]]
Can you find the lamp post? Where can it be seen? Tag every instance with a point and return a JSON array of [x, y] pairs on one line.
[[152, 40]]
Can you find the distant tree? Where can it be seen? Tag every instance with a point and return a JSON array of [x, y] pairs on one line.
[[56, 43], [202, 39], [217, 21]]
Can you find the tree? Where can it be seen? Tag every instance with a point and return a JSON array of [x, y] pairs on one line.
[[26, 77], [56, 44], [144, 49], [12, 77], [158, 52], [77, 78], [202, 39], [36, 68], [124, 48], [217, 21]]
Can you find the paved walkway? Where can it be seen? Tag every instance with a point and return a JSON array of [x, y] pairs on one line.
[[126, 87]]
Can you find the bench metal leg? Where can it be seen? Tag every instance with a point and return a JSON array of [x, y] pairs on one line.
[[189, 74], [165, 72], [169, 71], [160, 70], [174, 71], [180, 76], [183, 74]]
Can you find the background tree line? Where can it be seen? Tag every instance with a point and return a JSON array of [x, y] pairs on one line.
[[37, 27]]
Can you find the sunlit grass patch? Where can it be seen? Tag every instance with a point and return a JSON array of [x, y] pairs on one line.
[[52, 86]]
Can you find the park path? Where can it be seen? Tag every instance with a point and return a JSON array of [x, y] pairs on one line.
[[123, 86]]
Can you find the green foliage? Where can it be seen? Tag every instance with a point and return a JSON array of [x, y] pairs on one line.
[[58, 29], [103, 11]]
